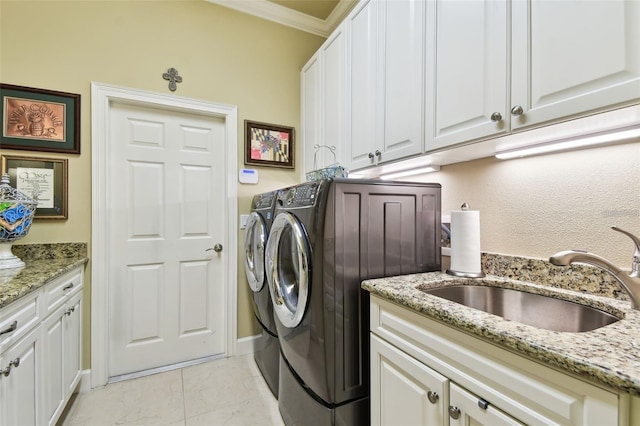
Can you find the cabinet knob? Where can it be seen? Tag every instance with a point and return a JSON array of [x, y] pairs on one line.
[[370, 155], [517, 110], [496, 116], [433, 397], [67, 287], [454, 412], [7, 371], [378, 153]]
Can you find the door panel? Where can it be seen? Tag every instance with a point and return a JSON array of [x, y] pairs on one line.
[[167, 290], [195, 308], [403, 28], [572, 57], [145, 285], [470, 48]]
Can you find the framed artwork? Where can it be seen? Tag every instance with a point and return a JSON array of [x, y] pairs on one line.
[[269, 145], [39, 120], [41, 178]]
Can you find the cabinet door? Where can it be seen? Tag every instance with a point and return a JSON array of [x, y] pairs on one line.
[[310, 114], [468, 83], [571, 57], [72, 338], [19, 388], [401, 53], [403, 390], [333, 98], [364, 129], [52, 381], [465, 409]]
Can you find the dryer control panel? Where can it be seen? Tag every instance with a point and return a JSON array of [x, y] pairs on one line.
[[300, 195], [265, 200]]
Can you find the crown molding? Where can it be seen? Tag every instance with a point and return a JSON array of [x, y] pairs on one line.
[[291, 18]]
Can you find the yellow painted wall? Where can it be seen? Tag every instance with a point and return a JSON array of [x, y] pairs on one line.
[[223, 56]]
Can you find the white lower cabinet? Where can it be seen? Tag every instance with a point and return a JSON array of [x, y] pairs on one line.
[[19, 381], [61, 343], [404, 391], [466, 408], [40, 361], [410, 393], [427, 373]]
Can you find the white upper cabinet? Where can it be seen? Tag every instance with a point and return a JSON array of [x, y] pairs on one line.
[[403, 77], [333, 97], [323, 103], [466, 71], [386, 81], [572, 57], [566, 59], [310, 111], [362, 96], [402, 46]]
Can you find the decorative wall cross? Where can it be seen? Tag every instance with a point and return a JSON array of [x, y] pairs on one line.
[[173, 77]]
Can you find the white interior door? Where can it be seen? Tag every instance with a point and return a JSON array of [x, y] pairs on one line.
[[166, 209]]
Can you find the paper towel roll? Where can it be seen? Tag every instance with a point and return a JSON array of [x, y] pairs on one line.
[[465, 243]]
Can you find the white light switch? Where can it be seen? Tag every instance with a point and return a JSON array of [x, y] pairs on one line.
[[244, 218]]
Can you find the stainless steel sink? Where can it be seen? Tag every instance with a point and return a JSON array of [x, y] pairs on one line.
[[527, 308]]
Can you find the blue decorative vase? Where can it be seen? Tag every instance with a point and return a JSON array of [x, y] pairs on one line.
[[16, 216]]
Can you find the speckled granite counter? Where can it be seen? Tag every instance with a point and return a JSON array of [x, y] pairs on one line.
[[43, 262], [609, 355]]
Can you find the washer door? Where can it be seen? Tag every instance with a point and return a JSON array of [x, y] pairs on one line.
[[288, 269], [255, 240]]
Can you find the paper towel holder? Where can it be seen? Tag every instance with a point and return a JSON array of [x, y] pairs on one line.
[[480, 274]]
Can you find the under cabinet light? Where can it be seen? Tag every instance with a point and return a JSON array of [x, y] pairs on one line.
[[568, 144], [410, 172]]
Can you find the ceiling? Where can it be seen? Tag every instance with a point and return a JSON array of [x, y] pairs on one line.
[[320, 9], [318, 17]]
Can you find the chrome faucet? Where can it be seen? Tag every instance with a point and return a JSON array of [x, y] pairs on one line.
[[630, 281]]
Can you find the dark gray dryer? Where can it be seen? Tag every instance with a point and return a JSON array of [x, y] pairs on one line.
[[267, 350], [327, 237]]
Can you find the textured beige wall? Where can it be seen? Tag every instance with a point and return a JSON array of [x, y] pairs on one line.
[[537, 206], [223, 56]]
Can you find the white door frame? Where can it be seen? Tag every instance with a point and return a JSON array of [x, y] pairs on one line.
[[101, 97]]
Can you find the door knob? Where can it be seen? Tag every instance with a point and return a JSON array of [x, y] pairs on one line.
[[217, 248]]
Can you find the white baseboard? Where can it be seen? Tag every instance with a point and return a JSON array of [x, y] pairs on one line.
[[246, 345], [85, 381]]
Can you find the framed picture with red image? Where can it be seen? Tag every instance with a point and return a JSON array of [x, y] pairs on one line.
[[39, 119], [269, 145]]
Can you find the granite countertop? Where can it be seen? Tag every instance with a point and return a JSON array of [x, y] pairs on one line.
[[43, 262], [609, 355]]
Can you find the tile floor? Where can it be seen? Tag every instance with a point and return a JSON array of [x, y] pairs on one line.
[[228, 391]]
